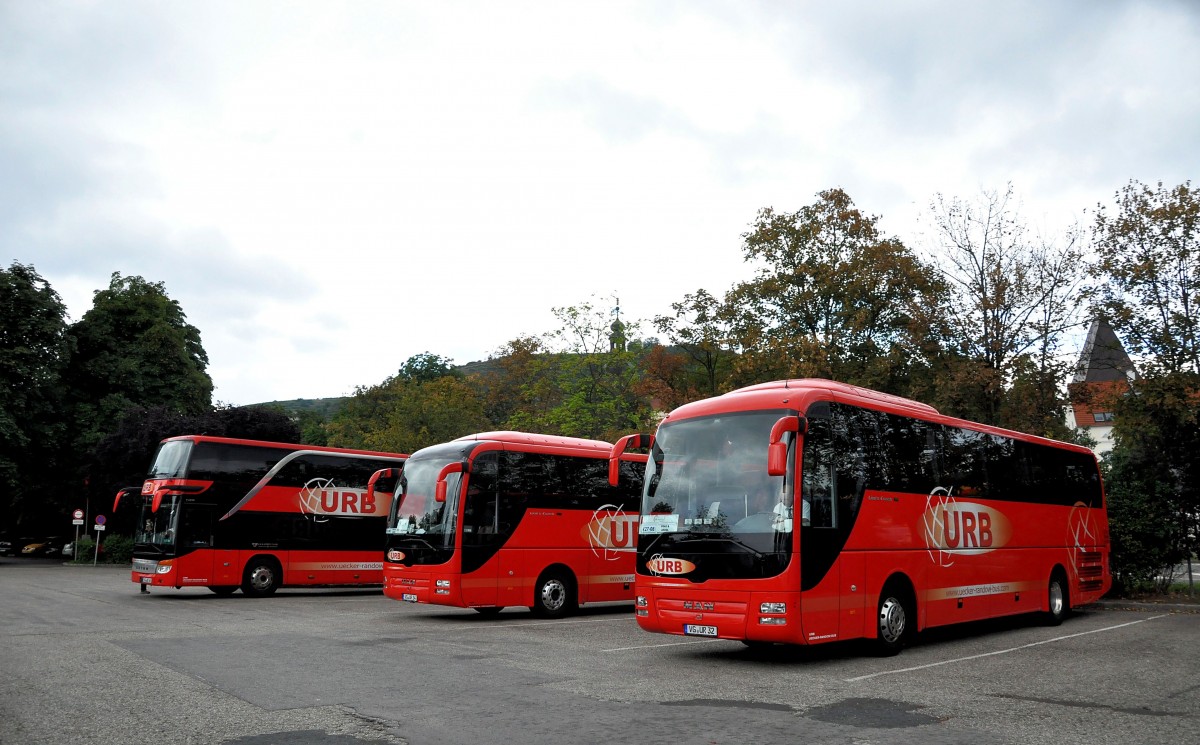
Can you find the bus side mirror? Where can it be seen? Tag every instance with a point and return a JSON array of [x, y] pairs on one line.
[[614, 455], [439, 492], [777, 448], [123, 492], [383, 473]]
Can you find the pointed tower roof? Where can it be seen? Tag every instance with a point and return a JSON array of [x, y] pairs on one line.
[[1103, 358]]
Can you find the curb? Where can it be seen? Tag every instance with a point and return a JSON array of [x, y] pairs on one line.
[[1139, 605]]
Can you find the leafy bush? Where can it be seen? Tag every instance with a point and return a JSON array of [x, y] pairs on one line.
[[114, 549], [118, 549]]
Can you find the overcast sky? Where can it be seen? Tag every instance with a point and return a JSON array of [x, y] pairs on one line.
[[329, 189]]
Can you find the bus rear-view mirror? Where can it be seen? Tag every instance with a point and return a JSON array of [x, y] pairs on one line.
[[619, 447], [777, 448]]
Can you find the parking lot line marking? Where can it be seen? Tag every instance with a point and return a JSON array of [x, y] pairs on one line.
[[669, 644], [580, 622], [1000, 651]]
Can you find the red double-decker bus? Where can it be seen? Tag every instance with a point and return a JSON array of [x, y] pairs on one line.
[[224, 513], [808, 511], [513, 519]]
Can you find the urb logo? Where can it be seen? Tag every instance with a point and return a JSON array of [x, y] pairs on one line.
[[611, 532], [321, 497], [659, 565], [954, 528]]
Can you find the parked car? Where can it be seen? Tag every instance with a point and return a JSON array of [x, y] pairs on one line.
[[68, 550], [6, 547], [43, 547]]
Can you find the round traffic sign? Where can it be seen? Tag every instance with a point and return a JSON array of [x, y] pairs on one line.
[[77, 514], [99, 519]]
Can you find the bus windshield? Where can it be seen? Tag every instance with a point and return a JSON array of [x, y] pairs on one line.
[[157, 528], [415, 512], [171, 460], [707, 491]]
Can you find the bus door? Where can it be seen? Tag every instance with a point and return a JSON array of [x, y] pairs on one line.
[[194, 542], [479, 537]]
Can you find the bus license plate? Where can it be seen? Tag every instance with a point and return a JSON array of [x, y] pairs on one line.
[[147, 580], [409, 597], [692, 629]]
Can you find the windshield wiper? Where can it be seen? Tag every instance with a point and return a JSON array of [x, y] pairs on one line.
[[724, 539]]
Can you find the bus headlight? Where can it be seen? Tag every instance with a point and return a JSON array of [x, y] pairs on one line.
[[641, 601], [443, 583], [163, 567], [772, 608]]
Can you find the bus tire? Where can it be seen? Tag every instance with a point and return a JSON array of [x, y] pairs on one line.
[[895, 618], [491, 610], [1058, 598], [554, 594], [223, 590], [262, 577]]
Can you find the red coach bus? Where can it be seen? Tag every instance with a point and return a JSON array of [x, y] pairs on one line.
[[224, 513], [513, 519], [808, 511]]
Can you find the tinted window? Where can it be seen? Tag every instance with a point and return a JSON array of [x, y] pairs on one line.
[[214, 461]]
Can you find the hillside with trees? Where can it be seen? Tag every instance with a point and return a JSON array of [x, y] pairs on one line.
[[976, 320]]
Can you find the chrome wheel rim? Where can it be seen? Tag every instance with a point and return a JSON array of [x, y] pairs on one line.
[[554, 595], [891, 620], [1056, 598], [262, 578]]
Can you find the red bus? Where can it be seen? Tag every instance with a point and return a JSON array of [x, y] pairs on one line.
[[225, 513], [809, 511], [513, 519]]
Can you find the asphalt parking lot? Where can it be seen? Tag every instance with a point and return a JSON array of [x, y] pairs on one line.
[[86, 659]]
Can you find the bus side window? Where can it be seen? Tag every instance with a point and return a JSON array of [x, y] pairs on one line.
[[817, 484], [196, 526]]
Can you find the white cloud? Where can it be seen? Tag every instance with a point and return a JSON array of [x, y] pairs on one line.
[[328, 189]]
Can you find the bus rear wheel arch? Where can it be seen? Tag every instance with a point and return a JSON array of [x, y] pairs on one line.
[[896, 616], [262, 577], [554, 594], [1058, 597]]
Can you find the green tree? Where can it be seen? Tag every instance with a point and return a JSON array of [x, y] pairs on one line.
[[424, 367], [410, 410], [1011, 298], [1147, 284], [1148, 273], [700, 330], [135, 348], [592, 389], [1154, 479], [34, 347], [833, 297]]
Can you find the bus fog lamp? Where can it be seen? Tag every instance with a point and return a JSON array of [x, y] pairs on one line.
[[772, 621], [643, 612], [440, 591], [773, 608]]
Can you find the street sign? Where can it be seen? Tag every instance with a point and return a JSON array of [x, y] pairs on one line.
[[99, 519], [77, 514]]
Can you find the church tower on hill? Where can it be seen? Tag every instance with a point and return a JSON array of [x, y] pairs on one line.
[[1104, 373]]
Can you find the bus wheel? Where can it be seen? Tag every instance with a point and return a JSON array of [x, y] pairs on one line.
[[492, 610], [1059, 598], [554, 595], [894, 619], [261, 577], [223, 590]]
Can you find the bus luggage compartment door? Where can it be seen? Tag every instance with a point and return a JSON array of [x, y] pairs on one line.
[[227, 570]]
